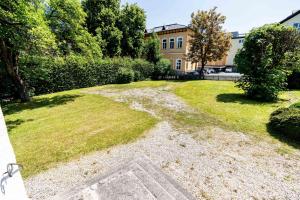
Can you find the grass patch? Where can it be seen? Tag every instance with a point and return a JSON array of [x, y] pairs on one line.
[[223, 101], [58, 127]]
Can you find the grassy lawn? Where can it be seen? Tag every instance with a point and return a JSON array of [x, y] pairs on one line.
[[223, 101], [58, 127]]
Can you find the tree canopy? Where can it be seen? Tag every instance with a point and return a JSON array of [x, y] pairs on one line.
[[209, 42], [265, 60], [133, 24]]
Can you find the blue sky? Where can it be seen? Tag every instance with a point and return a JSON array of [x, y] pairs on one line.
[[242, 15]]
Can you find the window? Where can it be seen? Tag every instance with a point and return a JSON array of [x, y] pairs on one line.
[[164, 43], [241, 41], [297, 26], [179, 42], [172, 43], [178, 64]]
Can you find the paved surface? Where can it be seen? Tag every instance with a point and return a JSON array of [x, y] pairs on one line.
[[137, 180]]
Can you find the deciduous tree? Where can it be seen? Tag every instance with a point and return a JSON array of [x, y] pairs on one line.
[[23, 30], [102, 17], [151, 50], [209, 42], [133, 24], [66, 19]]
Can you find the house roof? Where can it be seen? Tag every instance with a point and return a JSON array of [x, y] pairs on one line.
[[290, 17], [166, 28]]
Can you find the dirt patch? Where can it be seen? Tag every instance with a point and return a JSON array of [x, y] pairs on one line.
[[209, 162]]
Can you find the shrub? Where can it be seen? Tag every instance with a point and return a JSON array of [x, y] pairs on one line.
[[162, 69], [125, 75], [296, 105], [286, 121], [262, 58], [47, 75]]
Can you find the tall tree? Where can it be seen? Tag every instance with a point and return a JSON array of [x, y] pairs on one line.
[[102, 16], [133, 25], [151, 51], [209, 41], [66, 19], [23, 30]]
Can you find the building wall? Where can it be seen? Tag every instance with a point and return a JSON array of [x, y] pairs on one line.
[[236, 44], [176, 53], [293, 20]]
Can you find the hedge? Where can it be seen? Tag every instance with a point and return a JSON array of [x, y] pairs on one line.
[[47, 75], [286, 121]]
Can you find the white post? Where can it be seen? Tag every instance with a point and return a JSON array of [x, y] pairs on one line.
[[11, 188]]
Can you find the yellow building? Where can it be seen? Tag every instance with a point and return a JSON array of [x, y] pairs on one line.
[[174, 45]]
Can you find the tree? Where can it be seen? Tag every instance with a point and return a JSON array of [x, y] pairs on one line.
[[66, 19], [23, 30], [151, 50], [102, 16], [263, 60], [209, 42], [132, 24]]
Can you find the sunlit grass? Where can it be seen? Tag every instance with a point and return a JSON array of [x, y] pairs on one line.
[[223, 101], [58, 127]]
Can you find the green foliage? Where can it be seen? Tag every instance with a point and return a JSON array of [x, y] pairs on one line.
[[125, 75], [262, 60], [296, 105], [209, 41], [133, 24], [151, 50], [66, 19], [48, 75], [286, 121], [162, 69], [102, 17]]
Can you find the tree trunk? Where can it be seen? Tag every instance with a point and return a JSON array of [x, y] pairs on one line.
[[10, 60], [201, 73]]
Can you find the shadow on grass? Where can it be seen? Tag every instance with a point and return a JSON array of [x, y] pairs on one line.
[[242, 99], [11, 124], [49, 102], [289, 141]]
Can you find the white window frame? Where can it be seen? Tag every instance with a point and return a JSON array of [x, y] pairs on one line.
[[177, 42], [173, 43], [164, 39], [178, 67]]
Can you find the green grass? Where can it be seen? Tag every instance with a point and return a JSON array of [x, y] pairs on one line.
[[58, 127], [226, 103]]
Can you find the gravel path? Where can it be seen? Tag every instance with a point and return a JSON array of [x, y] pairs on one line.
[[210, 163]]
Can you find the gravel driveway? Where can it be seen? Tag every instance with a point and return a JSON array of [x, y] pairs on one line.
[[209, 162]]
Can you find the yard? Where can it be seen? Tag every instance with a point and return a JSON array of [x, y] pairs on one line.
[[61, 126], [57, 127]]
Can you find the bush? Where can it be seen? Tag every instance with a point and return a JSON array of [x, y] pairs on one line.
[[262, 58], [162, 69], [48, 75], [125, 75], [286, 121]]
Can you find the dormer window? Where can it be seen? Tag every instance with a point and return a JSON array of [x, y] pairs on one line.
[[172, 43], [179, 42]]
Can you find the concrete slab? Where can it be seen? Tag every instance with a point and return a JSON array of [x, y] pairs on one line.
[[137, 180]]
